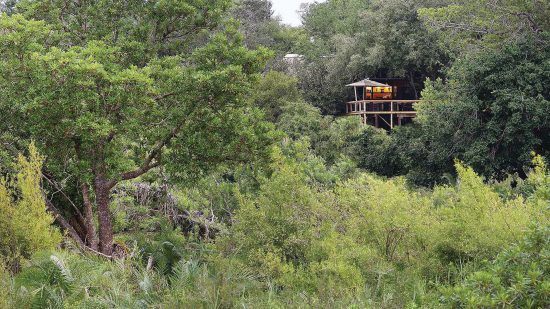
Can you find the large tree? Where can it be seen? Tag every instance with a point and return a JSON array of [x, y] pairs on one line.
[[355, 39], [257, 22], [111, 90], [471, 24], [492, 113], [491, 108]]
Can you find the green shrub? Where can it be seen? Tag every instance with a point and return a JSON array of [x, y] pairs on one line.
[[281, 219], [68, 280], [300, 239], [476, 223], [517, 278], [25, 225], [386, 215], [5, 286]]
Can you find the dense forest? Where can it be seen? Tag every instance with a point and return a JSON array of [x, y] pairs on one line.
[[168, 154]]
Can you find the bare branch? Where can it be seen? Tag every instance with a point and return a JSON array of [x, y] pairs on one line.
[[163, 96], [154, 154], [71, 231], [64, 223], [56, 186]]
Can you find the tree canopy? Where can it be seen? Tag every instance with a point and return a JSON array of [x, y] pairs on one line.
[[167, 154], [105, 99]]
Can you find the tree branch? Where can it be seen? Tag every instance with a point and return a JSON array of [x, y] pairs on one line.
[[78, 213], [64, 223], [138, 172], [148, 164], [163, 96], [91, 236], [71, 231]]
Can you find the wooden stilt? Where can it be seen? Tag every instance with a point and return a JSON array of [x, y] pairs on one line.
[[385, 121], [371, 111], [391, 115]]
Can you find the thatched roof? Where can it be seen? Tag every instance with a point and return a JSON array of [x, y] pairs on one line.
[[367, 83]]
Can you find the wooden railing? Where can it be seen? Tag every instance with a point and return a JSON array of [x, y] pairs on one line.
[[378, 108]]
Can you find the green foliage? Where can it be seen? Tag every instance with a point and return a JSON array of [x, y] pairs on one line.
[[61, 280], [117, 100], [491, 110], [301, 119], [492, 113], [379, 152], [333, 17], [518, 277], [25, 224], [112, 89], [6, 287], [331, 241], [284, 235], [274, 91], [165, 248], [333, 140], [473, 24], [338, 140], [355, 39], [259, 26], [289, 216], [537, 185], [363, 241], [477, 222]]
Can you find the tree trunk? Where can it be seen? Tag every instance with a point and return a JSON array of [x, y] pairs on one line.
[[91, 236], [64, 223], [102, 192]]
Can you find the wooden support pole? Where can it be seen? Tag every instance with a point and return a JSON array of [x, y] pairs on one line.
[[391, 115], [355, 89], [384, 120]]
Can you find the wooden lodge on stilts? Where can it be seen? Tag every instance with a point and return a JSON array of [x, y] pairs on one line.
[[377, 104]]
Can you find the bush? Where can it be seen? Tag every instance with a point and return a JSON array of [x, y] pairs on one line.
[[380, 152], [25, 225], [5, 286], [476, 223], [303, 239], [69, 280], [517, 278]]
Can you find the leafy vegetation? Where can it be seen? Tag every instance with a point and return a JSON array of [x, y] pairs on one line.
[[175, 158], [518, 277], [26, 225]]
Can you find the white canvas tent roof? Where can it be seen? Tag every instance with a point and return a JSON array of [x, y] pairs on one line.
[[367, 83]]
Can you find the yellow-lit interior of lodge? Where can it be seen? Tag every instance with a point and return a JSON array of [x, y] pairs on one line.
[[376, 104]]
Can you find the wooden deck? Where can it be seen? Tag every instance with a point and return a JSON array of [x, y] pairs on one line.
[[385, 101], [387, 111], [384, 113]]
